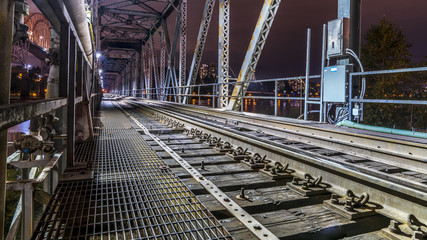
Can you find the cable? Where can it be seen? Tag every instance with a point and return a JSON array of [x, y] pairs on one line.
[[312, 111], [354, 55]]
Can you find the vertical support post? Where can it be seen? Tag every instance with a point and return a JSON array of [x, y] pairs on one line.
[[213, 96], [64, 58], [276, 100], [307, 74], [183, 49], [224, 50], [242, 101], [71, 113], [350, 97], [163, 62], [27, 211], [322, 73], [154, 67], [198, 94], [130, 76], [80, 73], [351, 9], [6, 25]]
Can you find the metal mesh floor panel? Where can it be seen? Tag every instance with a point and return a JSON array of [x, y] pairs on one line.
[[130, 197]]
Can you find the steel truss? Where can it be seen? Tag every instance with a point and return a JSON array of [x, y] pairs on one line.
[[162, 61], [224, 50], [183, 46], [201, 39], [154, 65], [256, 45]]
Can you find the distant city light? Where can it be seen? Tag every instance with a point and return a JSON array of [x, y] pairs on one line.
[[29, 66], [100, 71], [41, 37], [45, 49], [98, 55]]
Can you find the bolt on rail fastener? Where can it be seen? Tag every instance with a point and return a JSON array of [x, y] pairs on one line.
[[394, 226], [242, 195], [334, 199]]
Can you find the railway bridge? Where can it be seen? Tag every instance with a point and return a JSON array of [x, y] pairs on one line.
[[130, 141]]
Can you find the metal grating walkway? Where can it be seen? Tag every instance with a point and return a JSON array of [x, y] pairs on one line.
[[131, 196]]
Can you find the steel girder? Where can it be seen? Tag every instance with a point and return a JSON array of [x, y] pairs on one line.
[[130, 12], [162, 62], [183, 47], [147, 72], [154, 66], [171, 76], [253, 53], [224, 50], [200, 45], [132, 21]]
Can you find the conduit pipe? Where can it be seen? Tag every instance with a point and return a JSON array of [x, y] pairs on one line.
[[350, 124], [77, 11]]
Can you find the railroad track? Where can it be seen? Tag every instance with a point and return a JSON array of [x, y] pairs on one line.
[[400, 151], [289, 188]]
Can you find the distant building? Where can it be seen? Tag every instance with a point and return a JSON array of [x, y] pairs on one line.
[[204, 69], [212, 71], [207, 71]]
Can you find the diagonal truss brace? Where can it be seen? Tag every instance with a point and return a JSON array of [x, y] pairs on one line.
[[253, 53], [171, 75], [224, 50], [200, 45]]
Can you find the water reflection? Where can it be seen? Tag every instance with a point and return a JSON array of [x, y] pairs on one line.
[[285, 108]]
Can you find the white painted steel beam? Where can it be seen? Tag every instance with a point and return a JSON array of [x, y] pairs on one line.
[[224, 50], [253, 53], [200, 45], [183, 47]]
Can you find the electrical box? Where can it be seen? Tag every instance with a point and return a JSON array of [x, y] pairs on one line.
[[338, 37], [336, 83]]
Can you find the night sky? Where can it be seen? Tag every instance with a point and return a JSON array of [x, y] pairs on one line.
[[284, 52]]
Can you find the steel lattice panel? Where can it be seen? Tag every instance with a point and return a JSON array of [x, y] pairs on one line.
[[131, 196]]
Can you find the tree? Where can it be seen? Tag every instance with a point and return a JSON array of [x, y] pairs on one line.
[[386, 47]]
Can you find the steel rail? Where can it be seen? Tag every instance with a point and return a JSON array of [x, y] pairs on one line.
[[376, 148], [397, 198], [245, 218]]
